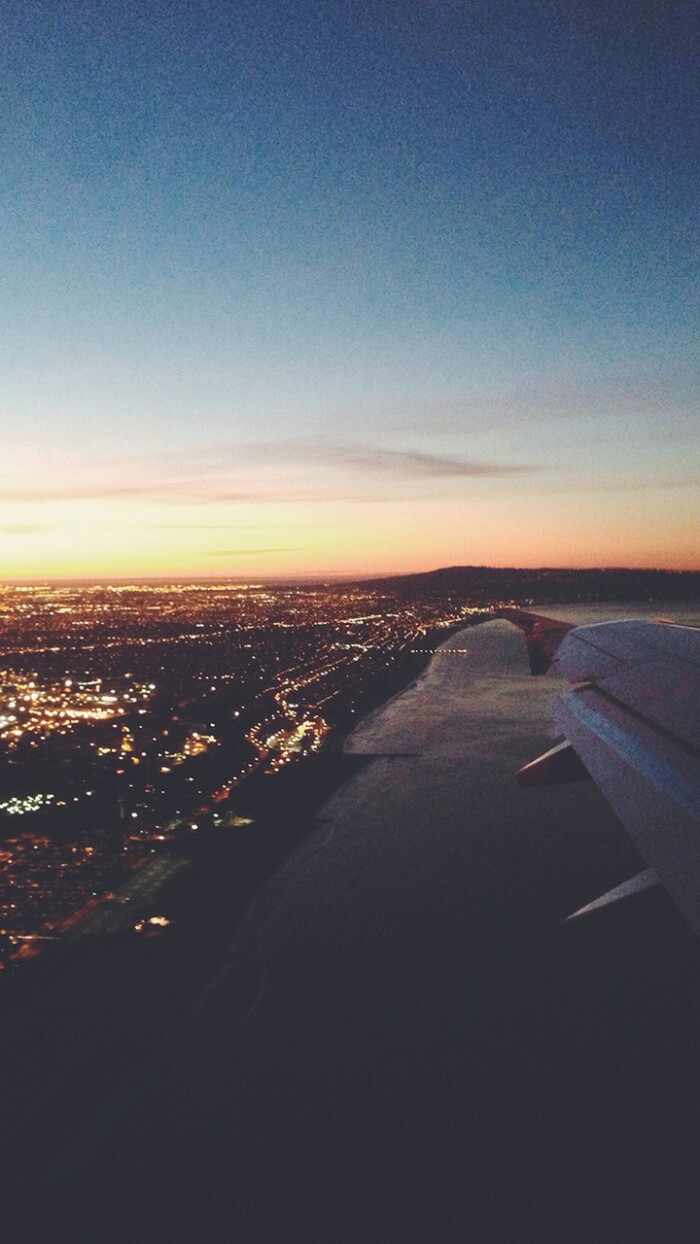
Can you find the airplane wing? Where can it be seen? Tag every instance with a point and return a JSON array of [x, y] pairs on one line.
[[632, 721]]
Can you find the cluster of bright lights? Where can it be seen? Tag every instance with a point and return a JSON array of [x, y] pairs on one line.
[[196, 744], [30, 803], [30, 707]]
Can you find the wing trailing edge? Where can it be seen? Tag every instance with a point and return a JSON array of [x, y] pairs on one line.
[[543, 636], [633, 720]]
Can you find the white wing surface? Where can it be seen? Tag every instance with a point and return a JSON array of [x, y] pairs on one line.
[[633, 718]]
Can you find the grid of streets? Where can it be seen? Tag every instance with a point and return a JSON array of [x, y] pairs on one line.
[[131, 714]]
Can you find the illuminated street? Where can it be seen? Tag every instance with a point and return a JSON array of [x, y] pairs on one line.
[[131, 716]]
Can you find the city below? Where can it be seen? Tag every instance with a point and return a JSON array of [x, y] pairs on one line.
[[139, 720], [240, 952]]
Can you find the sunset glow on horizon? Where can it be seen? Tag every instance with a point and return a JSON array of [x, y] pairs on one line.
[[306, 291], [137, 540]]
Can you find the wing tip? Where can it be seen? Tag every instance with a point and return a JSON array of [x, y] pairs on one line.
[[542, 636]]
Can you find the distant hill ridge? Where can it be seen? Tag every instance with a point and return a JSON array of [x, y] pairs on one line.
[[481, 584]]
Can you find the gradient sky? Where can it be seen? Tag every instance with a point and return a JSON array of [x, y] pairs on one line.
[[344, 287]]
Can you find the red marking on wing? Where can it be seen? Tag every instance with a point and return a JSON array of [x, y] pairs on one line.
[[542, 636]]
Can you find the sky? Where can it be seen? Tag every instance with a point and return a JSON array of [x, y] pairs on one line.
[[342, 288]]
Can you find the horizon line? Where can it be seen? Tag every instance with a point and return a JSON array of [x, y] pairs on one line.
[[338, 575]]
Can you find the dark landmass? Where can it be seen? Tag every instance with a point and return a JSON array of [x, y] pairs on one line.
[[97, 1013], [486, 584], [477, 584], [82, 1019], [405, 1045]]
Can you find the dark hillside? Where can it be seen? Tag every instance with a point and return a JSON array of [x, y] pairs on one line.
[[488, 584]]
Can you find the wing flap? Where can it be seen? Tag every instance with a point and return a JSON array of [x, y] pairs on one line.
[[652, 783], [652, 669], [633, 719]]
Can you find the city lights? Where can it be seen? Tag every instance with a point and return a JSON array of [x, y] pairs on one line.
[[133, 714]]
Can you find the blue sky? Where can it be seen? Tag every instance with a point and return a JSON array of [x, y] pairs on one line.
[[360, 287]]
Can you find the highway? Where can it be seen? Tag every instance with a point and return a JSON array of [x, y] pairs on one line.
[[132, 901]]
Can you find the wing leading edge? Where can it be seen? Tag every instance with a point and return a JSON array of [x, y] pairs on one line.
[[632, 718]]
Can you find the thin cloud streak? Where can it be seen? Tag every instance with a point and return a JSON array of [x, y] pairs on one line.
[[210, 482], [649, 485], [400, 463], [249, 552], [22, 529], [233, 528], [648, 396]]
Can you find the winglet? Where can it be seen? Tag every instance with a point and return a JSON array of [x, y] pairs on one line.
[[542, 636]]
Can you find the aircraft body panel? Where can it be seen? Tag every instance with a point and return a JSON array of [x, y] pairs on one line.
[[633, 719], [650, 668], [651, 783]]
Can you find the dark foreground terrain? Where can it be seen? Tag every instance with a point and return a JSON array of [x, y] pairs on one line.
[[404, 1043]]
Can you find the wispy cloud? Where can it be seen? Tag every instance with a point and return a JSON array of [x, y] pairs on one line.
[[233, 528], [267, 472], [167, 490], [629, 485], [599, 399], [206, 527], [22, 529], [249, 552], [396, 462]]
